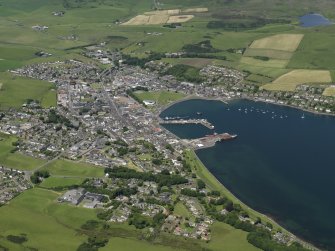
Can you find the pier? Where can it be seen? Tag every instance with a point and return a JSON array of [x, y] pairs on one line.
[[203, 122], [210, 140]]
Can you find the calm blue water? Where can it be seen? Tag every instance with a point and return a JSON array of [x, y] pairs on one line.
[[281, 164], [311, 20]]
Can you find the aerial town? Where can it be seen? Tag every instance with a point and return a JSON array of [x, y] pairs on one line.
[[98, 121]]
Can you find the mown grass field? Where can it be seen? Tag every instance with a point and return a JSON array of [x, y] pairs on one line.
[[160, 97], [67, 168], [16, 91], [15, 160]]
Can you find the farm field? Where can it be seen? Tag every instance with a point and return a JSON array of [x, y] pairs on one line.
[[15, 160], [46, 224], [161, 98], [195, 62], [281, 42], [271, 63], [16, 91], [330, 91], [289, 81]]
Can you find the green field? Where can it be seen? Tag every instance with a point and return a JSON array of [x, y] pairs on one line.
[[47, 224], [123, 244], [52, 182], [225, 237], [15, 160], [16, 90], [160, 97], [181, 210], [71, 169]]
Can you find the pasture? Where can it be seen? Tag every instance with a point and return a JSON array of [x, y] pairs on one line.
[[47, 224], [17, 90], [270, 63], [14, 159], [281, 42]]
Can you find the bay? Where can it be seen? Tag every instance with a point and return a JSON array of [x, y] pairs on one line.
[[282, 163]]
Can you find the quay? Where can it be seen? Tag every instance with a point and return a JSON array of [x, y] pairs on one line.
[[203, 122], [210, 140]]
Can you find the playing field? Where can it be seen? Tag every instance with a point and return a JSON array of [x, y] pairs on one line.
[[282, 42], [290, 80]]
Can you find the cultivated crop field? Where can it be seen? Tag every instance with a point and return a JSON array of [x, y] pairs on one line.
[[330, 91], [281, 42], [290, 80], [164, 16]]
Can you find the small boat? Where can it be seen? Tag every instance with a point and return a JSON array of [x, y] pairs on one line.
[[303, 116], [199, 113]]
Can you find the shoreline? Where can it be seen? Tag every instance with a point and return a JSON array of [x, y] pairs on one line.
[[205, 171], [227, 101]]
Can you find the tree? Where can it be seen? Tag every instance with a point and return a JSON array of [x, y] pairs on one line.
[[201, 184]]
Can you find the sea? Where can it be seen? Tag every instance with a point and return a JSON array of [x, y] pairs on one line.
[[281, 164]]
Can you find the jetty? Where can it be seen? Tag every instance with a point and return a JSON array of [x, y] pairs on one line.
[[176, 121], [210, 140]]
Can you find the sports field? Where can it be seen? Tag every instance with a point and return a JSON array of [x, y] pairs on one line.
[[160, 97]]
